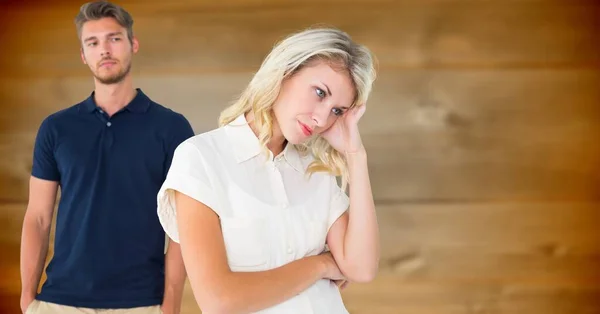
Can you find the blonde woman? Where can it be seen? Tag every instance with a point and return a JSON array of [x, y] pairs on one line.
[[254, 202]]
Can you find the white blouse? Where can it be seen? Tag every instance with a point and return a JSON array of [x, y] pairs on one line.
[[271, 212]]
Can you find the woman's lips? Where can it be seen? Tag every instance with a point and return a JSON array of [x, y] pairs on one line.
[[305, 129]]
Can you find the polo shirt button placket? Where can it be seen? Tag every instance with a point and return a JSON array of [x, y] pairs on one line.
[[109, 134]]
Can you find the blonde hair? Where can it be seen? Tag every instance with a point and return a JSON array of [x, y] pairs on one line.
[[288, 57]]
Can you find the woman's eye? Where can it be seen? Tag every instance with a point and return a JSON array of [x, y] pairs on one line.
[[337, 111], [320, 93]]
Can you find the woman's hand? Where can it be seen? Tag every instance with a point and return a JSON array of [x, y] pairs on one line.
[[343, 135], [342, 284], [332, 271]]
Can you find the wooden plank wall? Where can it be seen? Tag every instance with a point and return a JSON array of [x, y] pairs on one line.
[[482, 130]]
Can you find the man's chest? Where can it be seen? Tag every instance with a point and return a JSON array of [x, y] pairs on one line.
[[126, 149]]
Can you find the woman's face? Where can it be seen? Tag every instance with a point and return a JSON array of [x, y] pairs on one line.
[[311, 100]]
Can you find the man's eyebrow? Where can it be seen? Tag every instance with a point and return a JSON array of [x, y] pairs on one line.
[[114, 33], [107, 35]]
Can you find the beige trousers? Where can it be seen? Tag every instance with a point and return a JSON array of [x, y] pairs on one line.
[[41, 307]]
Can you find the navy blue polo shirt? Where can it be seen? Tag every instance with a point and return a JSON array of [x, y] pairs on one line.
[[109, 244]]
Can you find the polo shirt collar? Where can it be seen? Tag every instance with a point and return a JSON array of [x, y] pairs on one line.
[[139, 104]]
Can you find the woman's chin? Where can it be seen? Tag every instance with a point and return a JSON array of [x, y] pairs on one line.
[[297, 139]]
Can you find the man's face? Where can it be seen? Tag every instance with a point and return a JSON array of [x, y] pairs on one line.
[[107, 50]]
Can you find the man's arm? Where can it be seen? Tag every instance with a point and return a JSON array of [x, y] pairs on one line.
[[35, 236], [174, 279], [175, 273]]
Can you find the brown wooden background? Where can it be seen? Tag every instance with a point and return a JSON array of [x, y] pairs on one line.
[[482, 132]]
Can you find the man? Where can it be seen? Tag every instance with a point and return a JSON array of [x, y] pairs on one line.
[[109, 154]]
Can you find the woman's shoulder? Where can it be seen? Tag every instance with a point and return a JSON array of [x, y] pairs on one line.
[[205, 144], [207, 137]]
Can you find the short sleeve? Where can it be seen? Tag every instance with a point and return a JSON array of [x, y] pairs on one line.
[[44, 164], [338, 204], [180, 131], [188, 175]]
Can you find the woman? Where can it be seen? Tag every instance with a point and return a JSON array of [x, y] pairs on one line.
[[254, 202]]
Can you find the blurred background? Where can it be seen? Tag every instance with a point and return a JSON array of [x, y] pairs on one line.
[[482, 132]]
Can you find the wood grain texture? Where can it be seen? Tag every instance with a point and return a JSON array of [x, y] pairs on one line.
[[481, 258], [482, 133], [431, 135], [393, 295], [457, 258], [442, 34], [390, 295]]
